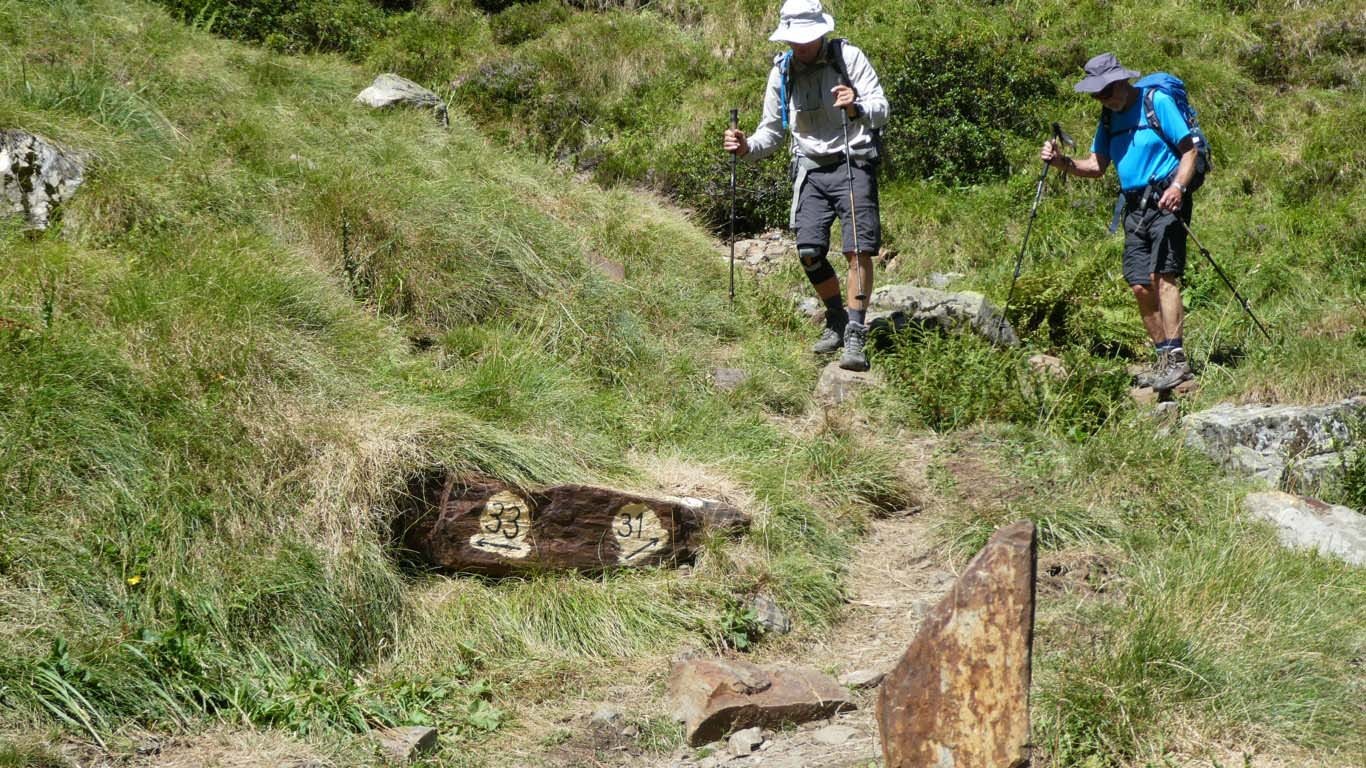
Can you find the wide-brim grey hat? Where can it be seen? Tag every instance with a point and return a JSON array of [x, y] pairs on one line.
[[802, 21], [1101, 71]]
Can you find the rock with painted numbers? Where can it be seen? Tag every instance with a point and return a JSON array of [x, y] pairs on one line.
[[36, 176], [1262, 440], [901, 306], [480, 525], [713, 697], [1304, 523], [388, 90], [960, 694]]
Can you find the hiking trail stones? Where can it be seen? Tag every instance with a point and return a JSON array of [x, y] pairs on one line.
[[713, 697], [36, 176], [1265, 440], [403, 745], [471, 524], [1303, 523], [899, 306], [959, 696], [837, 385], [390, 89]]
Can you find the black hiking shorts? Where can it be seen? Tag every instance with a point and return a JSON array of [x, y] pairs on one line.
[[1154, 242], [825, 195]]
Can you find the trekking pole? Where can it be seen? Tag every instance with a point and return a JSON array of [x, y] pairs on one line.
[[1205, 252], [1066, 140], [734, 125], [849, 171]]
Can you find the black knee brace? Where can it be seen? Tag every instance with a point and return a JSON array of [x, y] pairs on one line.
[[817, 267]]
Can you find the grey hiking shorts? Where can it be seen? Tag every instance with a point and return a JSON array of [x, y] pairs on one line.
[[825, 195], [1154, 242]]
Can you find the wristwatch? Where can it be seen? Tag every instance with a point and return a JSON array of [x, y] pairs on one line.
[[1179, 186]]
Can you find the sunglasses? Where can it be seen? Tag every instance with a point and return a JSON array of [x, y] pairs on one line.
[[1106, 92]]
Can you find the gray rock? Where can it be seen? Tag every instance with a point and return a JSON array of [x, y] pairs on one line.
[[834, 735], [728, 379], [763, 255], [861, 679], [899, 306], [1304, 523], [771, 616], [1261, 440], [607, 715], [36, 176], [941, 280], [1048, 365], [745, 742], [390, 89], [1312, 475], [811, 307], [837, 385], [402, 745]]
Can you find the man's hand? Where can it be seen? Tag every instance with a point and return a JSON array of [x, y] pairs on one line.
[[1050, 152], [735, 142], [1171, 199], [844, 99]]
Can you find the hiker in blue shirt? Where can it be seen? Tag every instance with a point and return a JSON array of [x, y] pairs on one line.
[[826, 93], [1157, 170]]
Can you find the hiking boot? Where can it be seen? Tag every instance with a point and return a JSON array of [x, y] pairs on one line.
[[1176, 371], [1147, 376], [832, 336], [853, 359]]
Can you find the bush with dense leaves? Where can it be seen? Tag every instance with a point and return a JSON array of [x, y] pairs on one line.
[[955, 102], [346, 26]]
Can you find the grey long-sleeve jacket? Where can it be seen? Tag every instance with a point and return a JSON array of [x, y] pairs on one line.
[[816, 125]]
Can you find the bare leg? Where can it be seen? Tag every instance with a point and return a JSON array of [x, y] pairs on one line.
[[828, 289], [1149, 310], [1169, 300], [860, 279]]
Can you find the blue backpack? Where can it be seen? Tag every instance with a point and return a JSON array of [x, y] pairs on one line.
[[1176, 89]]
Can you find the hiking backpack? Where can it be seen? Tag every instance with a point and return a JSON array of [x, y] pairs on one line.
[[835, 52], [1176, 89]]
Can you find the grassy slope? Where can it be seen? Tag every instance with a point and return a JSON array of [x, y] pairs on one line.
[[217, 387], [212, 400]]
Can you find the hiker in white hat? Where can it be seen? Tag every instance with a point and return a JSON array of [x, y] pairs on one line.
[[826, 92]]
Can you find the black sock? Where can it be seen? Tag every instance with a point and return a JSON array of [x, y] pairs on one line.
[[834, 308]]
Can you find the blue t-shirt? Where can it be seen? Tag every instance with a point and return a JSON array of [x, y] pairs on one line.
[[1139, 154]]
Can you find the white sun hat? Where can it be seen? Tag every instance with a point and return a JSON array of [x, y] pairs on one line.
[[802, 21]]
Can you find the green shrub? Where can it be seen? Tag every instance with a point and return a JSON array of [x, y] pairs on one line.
[[955, 101], [346, 26], [525, 21]]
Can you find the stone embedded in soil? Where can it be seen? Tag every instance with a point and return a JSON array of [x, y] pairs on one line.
[[770, 615], [834, 735], [36, 176], [837, 385], [402, 745], [479, 525], [901, 306], [1304, 523], [1262, 440], [728, 379], [389, 90], [746, 741], [960, 694], [862, 679], [713, 697]]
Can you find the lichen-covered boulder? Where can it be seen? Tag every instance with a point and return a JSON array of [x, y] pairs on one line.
[[36, 176], [389, 90], [900, 306]]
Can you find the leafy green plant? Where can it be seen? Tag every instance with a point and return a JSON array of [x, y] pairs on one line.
[[957, 100], [740, 627]]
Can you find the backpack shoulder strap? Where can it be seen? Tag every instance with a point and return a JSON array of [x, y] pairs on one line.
[[1150, 114], [836, 53], [783, 62]]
